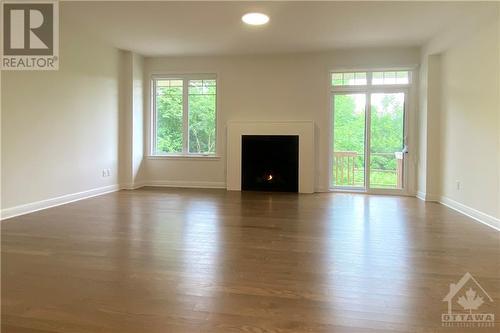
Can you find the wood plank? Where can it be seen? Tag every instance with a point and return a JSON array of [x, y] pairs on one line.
[[191, 260]]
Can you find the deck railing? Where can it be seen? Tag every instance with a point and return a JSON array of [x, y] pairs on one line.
[[347, 173], [344, 166]]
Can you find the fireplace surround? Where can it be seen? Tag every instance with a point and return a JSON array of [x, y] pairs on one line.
[[304, 130]]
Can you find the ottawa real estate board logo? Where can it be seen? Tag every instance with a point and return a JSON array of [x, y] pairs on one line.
[[469, 305], [30, 35]]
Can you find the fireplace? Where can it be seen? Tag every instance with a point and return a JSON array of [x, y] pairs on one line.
[[270, 163], [304, 130]]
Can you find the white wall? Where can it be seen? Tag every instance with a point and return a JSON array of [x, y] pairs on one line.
[[463, 141], [60, 128], [267, 87], [428, 124], [125, 172], [131, 124], [469, 121], [422, 129], [138, 117], [433, 125]]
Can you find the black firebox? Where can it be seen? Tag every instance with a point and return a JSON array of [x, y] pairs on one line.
[[270, 163]]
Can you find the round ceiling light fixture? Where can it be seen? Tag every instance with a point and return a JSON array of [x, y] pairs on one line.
[[255, 18]]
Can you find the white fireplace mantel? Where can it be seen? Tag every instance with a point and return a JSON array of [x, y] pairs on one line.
[[305, 131]]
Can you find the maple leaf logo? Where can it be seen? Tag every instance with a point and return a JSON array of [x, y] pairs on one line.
[[470, 301]]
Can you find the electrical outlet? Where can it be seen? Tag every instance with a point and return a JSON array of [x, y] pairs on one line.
[[458, 185], [106, 173]]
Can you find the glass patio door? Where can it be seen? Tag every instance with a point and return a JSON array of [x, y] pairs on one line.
[[349, 140], [387, 141], [369, 143]]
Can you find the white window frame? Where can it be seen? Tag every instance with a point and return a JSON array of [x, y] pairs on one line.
[[368, 89], [153, 154], [369, 79]]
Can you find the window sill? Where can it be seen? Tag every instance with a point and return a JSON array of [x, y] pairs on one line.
[[184, 157]]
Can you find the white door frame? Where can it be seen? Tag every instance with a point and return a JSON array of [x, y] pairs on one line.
[[368, 90]]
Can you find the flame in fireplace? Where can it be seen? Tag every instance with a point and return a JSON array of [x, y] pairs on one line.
[[269, 177]]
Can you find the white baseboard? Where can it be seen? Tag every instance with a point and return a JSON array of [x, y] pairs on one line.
[[321, 189], [185, 184], [7, 213], [427, 197], [421, 195], [53, 202], [475, 214], [132, 186], [32, 207]]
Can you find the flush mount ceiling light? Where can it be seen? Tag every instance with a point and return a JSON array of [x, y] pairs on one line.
[[255, 18]]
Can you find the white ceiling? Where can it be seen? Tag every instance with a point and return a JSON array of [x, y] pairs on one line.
[[215, 28]]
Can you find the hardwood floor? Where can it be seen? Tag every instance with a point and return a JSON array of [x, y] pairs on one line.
[[189, 260]]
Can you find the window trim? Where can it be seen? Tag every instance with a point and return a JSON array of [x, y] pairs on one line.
[[185, 154], [410, 90], [369, 79]]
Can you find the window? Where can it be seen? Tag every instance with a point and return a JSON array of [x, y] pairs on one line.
[[352, 79], [349, 79], [184, 115], [395, 77], [369, 121]]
